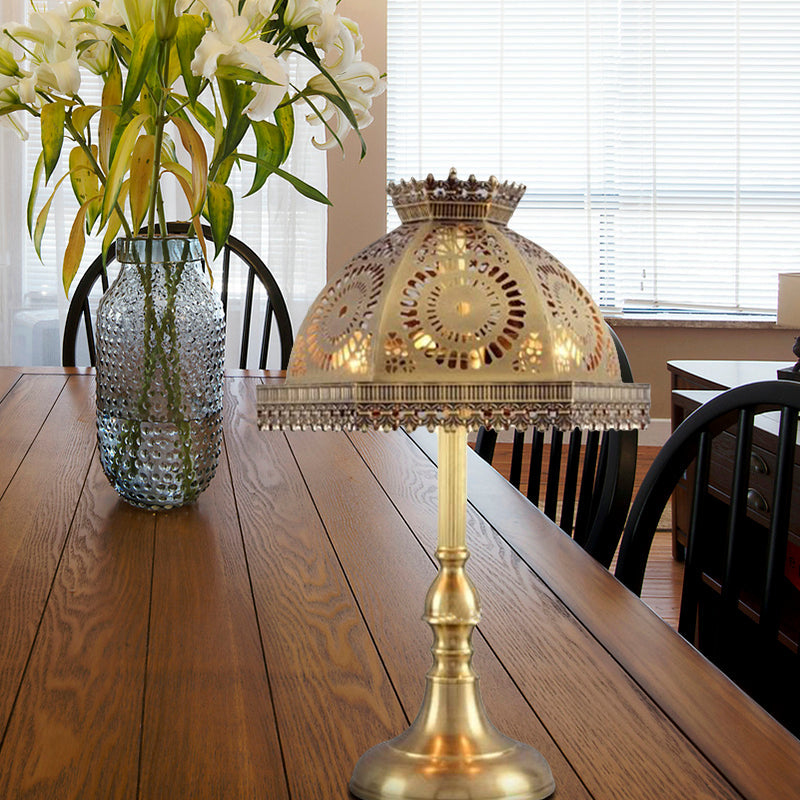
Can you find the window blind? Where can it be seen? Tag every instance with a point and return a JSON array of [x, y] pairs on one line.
[[659, 140]]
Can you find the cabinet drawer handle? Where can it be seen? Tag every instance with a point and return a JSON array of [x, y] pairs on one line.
[[758, 465], [756, 501]]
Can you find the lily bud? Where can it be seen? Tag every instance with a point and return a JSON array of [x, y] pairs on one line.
[[8, 64], [166, 20]]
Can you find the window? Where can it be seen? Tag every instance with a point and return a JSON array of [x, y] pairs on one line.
[[659, 139]]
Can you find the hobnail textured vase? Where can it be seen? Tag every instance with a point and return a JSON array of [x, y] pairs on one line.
[[160, 353]]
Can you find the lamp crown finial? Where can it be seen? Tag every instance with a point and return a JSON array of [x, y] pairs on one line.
[[455, 199]]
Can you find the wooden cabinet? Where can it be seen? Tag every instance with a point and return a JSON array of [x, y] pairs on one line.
[[695, 382]]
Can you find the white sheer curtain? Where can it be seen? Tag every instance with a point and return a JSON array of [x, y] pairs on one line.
[[288, 231]]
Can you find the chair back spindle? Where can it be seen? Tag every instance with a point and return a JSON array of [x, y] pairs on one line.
[[275, 305], [589, 498], [738, 604]]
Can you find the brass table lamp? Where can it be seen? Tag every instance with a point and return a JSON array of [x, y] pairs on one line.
[[453, 321]]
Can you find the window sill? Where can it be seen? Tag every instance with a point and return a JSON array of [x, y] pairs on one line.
[[678, 319]]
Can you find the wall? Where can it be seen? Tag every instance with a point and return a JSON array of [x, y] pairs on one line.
[[356, 188], [358, 217], [650, 347]]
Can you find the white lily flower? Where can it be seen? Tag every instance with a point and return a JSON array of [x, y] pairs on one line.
[[345, 48], [325, 33], [64, 76], [108, 12], [234, 43], [27, 91], [300, 13], [51, 37], [88, 27], [360, 82]]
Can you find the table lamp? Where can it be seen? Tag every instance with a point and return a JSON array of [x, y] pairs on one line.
[[453, 321]]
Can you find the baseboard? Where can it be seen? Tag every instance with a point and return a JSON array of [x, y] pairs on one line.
[[655, 435]]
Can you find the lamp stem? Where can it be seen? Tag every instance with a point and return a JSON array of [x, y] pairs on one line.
[[452, 751], [452, 445]]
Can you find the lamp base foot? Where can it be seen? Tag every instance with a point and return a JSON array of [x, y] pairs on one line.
[[390, 771]]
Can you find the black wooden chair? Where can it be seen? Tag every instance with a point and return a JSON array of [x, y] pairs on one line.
[[739, 605], [80, 307], [595, 491]]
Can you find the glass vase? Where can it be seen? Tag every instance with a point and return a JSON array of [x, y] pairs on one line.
[[160, 352]]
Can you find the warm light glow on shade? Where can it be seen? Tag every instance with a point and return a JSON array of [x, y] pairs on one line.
[[454, 298]]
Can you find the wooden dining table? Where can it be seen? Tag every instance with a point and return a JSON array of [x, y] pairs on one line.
[[256, 643]]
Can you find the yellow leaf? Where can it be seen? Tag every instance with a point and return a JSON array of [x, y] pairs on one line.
[[41, 220], [81, 116], [183, 175], [198, 229], [85, 182], [51, 124], [115, 221], [122, 159], [141, 177], [75, 246], [191, 140]]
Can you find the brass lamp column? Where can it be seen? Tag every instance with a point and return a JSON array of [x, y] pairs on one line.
[[452, 750], [453, 321]]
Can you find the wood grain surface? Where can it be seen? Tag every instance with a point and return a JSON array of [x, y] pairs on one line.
[[614, 736], [8, 377], [75, 729], [307, 615], [257, 642], [702, 702], [36, 511]]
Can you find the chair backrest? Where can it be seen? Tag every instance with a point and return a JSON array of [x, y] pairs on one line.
[[738, 605], [80, 307], [591, 499]]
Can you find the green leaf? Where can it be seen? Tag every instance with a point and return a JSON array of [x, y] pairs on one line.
[[242, 74], [226, 167], [119, 166], [203, 116], [220, 213], [145, 48], [306, 189], [269, 153], [52, 125], [284, 116], [191, 30], [10, 109], [121, 35], [235, 98], [35, 182]]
